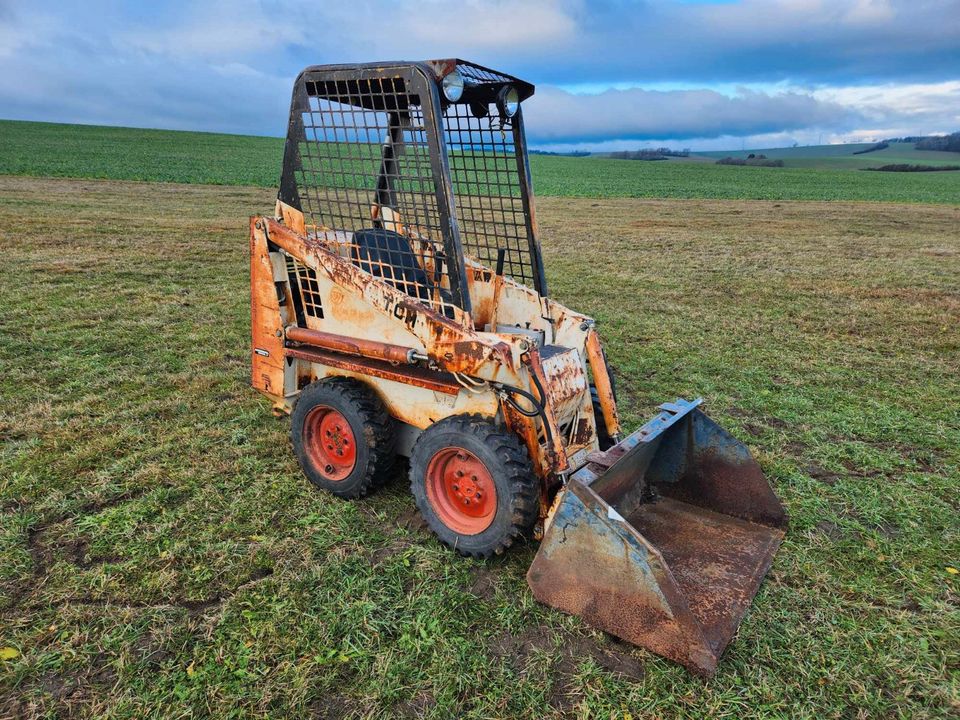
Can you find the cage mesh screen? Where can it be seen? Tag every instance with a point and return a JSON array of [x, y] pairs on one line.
[[486, 182], [367, 187], [303, 281]]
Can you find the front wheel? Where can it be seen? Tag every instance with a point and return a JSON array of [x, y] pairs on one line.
[[474, 485]]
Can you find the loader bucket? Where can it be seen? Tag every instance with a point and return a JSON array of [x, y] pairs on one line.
[[664, 539]]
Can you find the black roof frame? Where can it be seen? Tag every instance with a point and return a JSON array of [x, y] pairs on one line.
[[424, 79]]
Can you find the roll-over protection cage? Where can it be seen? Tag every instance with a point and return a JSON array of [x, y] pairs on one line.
[[408, 185]]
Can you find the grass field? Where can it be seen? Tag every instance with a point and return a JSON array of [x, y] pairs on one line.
[[842, 157], [160, 555], [42, 149]]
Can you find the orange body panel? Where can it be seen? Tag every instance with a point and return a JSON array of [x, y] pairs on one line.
[[266, 323]]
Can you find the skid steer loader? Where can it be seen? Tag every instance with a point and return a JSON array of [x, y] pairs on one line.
[[399, 307]]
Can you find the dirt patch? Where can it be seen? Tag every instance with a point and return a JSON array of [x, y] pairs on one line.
[[97, 506], [925, 462], [78, 553], [331, 707], [562, 698], [41, 558], [621, 664], [193, 607], [517, 648], [12, 504], [821, 474], [149, 650], [413, 521], [417, 707], [483, 583], [756, 429], [65, 689], [857, 471], [395, 547], [910, 604], [613, 656], [43, 552], [888, 530], [197, 607], [795, 448], [830, 529]]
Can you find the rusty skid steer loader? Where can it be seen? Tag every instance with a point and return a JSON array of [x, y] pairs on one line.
[[399, 307]]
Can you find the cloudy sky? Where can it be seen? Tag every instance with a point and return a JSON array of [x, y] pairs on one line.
[[610, 74]]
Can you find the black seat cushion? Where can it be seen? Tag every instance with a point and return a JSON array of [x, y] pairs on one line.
[[388, 255]]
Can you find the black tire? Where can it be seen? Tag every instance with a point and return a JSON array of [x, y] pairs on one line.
[[371, 426], [603, 437], [509, 467]]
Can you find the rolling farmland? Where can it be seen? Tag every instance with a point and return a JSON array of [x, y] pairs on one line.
[[42, 149], [162, 556]]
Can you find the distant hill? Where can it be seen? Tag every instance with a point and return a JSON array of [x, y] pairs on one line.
[[822, 173]]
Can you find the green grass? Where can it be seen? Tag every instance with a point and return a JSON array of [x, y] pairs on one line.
[[161, 555], [41, 149], [602, 177]]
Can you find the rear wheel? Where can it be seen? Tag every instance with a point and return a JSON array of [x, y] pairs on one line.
[[474, 485], [342, 437]]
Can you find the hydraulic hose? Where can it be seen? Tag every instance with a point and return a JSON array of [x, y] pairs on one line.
[[539, 409]]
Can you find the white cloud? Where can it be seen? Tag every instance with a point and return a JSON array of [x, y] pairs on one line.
[[216, 29], [802, 67], [630, 117], [409, 29], [923, 101], [870, 12], [554, 115], [490, 25]]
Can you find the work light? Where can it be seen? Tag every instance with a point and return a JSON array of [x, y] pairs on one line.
[[453, 86], [508, 100]]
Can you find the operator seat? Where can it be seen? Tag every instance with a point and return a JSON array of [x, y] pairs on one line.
[[388, 255]]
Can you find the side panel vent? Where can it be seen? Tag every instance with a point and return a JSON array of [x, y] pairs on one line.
[[303, 282]]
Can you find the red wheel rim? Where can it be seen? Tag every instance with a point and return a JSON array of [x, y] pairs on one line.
[[461, 491], [329, 442]]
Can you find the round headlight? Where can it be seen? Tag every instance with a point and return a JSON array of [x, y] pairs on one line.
[[453, 86], [508, 101]]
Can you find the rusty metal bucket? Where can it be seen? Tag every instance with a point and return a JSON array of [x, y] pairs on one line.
[[664, 539]]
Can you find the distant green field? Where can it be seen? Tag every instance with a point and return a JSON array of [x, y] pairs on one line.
[[44, 149], [842, 157]]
